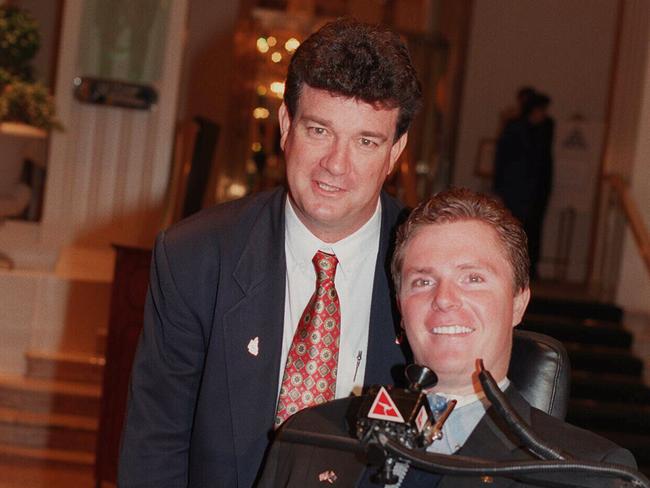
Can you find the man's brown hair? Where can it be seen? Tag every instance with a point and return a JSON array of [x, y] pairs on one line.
[[356, 60], [460, 204]]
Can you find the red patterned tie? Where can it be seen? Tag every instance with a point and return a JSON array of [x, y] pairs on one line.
[[310, 373]]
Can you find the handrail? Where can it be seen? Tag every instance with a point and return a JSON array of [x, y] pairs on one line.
[[5, 261], [633, 216]]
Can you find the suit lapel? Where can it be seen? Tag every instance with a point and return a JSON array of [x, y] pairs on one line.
[[491, 440], [256, 318], [253, 330], [383, 353]]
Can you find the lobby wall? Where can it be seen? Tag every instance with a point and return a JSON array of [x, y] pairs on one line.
[[565, 50]]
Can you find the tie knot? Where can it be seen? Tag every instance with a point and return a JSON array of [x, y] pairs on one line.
[[325, 265], [438, 403]]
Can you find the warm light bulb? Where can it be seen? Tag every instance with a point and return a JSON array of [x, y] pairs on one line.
[[292, 44], [251, 169], [261, 113], [276, 57], [262, 45], [272, 41], [256, 147], [277, 87], [261, 90], [236, 190]]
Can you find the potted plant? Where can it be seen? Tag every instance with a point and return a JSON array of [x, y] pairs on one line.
[[26, 108], [23, 100]]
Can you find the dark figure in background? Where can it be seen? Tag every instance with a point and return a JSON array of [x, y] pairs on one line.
[[523, 169], [524, 94]]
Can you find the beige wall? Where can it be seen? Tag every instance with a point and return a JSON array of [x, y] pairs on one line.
[[558, 46], [629, 82], [564, 49], [634, 284], [207, 72], [207, 61], [108, 171]]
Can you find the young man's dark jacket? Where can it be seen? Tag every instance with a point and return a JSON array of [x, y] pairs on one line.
[[299, 466]]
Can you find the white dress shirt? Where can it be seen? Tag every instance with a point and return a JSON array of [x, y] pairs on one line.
[[357, 256]]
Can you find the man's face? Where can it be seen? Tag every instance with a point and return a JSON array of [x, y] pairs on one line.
[[457, 302], [339, 152]]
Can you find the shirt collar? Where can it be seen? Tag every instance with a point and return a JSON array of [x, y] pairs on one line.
[[462, 400], [302, 244]]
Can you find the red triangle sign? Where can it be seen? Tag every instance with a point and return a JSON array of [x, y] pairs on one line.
[[384, 408]]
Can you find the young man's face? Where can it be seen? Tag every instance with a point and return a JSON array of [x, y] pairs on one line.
[[338, 152], [457, 302]]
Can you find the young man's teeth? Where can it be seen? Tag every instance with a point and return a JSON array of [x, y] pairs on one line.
[[327, 187], [452, 329]]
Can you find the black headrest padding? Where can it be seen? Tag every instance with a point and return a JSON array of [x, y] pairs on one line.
[[540, 370]]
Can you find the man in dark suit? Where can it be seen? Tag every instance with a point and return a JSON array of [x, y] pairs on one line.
[[523, 169], [229, 285], [460, 269]]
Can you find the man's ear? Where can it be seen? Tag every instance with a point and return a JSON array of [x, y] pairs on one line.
[[396, 151], [285, 124], [519, 304]]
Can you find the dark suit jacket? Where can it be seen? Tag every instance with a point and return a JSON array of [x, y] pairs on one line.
[[523, 167], [295, 465], [201, 405]]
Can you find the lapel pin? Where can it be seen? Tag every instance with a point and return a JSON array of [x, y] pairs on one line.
[[328, 476], [253, 346]]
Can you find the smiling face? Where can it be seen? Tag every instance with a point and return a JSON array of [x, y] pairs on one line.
[[338, 152], [457, 302]]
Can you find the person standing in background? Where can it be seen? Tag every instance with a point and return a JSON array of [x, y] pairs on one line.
[[523, 170], [514, 111]]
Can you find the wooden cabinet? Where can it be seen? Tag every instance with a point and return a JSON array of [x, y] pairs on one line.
[[125, 323]]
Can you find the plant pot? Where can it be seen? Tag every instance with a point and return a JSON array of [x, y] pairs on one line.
[[18, 129]]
